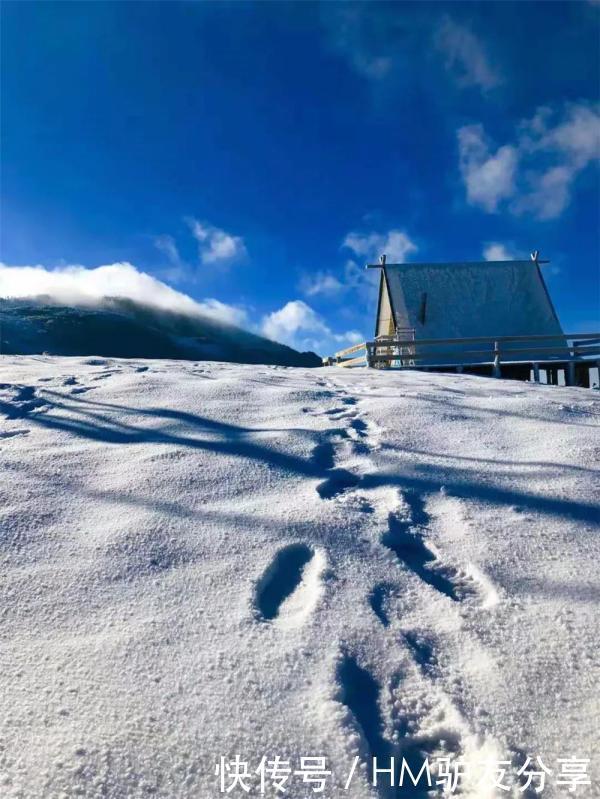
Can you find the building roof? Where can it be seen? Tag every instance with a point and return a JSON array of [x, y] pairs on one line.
[[463, 300]]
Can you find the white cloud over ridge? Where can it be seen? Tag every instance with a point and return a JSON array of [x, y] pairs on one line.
[[216, 245], [295, 324], [535, 174], [81, 286]]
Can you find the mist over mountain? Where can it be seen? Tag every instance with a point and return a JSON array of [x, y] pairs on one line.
[[121, 327]]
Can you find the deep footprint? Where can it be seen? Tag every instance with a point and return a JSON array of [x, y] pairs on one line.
[[323, 456], [422, 650], [359, 426], [409, 547], [281, 579], [337, 481], [378, 599], [360, 693]]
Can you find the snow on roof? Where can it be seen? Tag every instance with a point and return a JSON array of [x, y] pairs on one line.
[[462, 300]]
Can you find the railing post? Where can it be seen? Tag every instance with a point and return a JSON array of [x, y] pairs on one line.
[[496, 370]]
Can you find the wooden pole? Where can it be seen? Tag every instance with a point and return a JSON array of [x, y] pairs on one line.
[[496, 371]]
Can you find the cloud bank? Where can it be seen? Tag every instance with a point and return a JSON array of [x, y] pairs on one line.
[[76, 285], [295, 324]]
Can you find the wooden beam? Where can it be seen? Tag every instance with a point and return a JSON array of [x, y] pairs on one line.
[[353, 361], [350, 350]]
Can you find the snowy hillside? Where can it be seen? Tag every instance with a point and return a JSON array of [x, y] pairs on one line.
[[203, 560], [120, 327]]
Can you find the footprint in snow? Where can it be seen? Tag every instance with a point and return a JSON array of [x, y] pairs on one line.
[[409, 547], [361, 693], [379, 600], [337, 481], [12, 433], [360, 427], [323, 456], [291, 586], [422, 650], [104, 375]]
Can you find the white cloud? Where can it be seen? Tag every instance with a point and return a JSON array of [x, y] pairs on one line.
[[562, 151], [321, 283], [353, 276], [300, 326], [80, 286], [362, 38], [216, 245], [495, 251], [385, 45], [549, 193], [536, 173], [465, 56], [488, 177], [395, 244], [295, 317], [176, 270], [166, 245]]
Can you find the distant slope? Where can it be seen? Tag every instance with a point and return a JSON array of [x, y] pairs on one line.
[[123, 328]]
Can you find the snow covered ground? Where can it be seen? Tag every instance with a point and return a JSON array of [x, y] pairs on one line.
[[203, 560]]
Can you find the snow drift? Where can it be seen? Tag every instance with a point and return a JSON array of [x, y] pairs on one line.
[[208, 560]]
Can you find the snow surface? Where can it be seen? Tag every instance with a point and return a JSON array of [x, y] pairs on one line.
[[203, 560]]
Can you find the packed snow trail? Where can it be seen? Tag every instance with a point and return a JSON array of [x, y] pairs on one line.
[[204, 560]]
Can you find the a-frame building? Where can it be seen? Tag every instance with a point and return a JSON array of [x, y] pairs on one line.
[[464, 300]]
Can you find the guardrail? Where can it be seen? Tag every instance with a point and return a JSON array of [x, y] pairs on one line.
[[558, 351]]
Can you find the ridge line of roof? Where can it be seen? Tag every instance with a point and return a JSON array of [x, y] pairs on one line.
[[455, 263]]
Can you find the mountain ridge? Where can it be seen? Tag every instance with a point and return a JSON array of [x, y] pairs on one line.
[[121, 327]]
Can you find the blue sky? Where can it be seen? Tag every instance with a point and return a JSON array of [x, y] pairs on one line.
[[258, 154]]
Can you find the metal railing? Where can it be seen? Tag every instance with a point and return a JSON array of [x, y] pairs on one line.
[[405, 352]]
